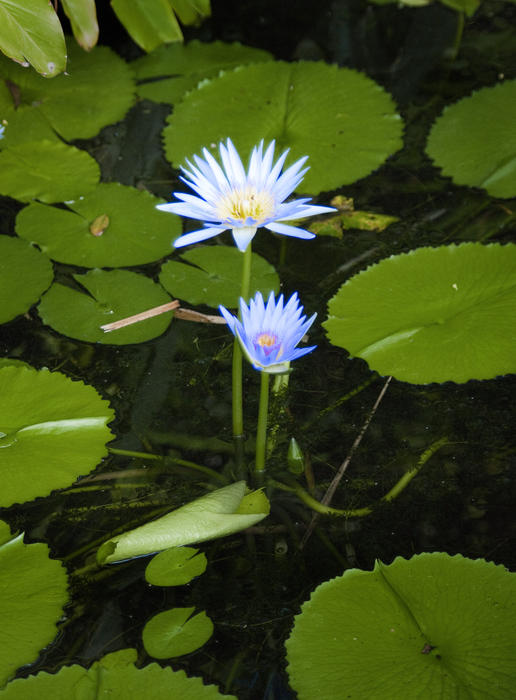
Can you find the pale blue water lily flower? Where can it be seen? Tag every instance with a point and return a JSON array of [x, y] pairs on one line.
[[269, 333], [230, 198]]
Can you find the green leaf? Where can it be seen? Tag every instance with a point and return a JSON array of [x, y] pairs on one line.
[[31, 33], [34, 591], [52, 430], [191, 11], [149, 22], [167, 73], [114, 676], [206, 518], [175, 566], [25, 125], [83, 18], [110, 297], [174, 633], [469, 7], [432, 627], [111, 226], [216, 277], [25, 273], [474, 140], [50, 172], [97, 90], [432, 315], [343, 120]]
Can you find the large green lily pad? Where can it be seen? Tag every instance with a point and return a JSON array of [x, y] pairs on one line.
[[25, 273], [432, 627], [343, 120], [116, 677], [432, 315], [52, 430], [96, 90], [474, 140], [112, 226], [167, 73], [214, 276], [46, 170], [108, 297], [176, 632], [33, 592]]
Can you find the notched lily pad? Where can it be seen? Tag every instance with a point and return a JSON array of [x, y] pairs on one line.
[[167, 73], [346, 123], [109, 296], [432, 315], [112, 226], [214, 276], [176, 566], [46, 170], [52, 430], [25, 273], [176, 632], [34, 591]]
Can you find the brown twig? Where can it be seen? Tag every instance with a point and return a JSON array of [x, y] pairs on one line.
[[156, 311]]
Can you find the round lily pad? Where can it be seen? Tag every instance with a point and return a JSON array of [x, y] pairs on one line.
[[111, 226], [109, 296], [25, 273], [114, 676], [176, 566], [176, 632], [432, 315], [432, 627], [167, 73], [214, 276], [96, 90], [474, 140], [52, 430], [345, 122], [34, 591], [46, 170]]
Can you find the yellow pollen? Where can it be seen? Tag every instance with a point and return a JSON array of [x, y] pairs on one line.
[[247, 203], [266, 340]]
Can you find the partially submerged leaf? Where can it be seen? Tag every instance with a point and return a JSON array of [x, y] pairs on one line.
[[149, 22], [175, 566], [176, 632], [83, 18]]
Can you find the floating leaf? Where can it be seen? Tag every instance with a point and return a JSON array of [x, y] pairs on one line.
[[25, 125], [471, 154], [206, 518], [349, 218], [432, 627], [25, 273], [52, 430], [167, 73], [31, 33], [48, 171], [97, 90], [111, 226], [110, 297], [174, 633], [175, 566], [432, 315], [343, 120], [114, 676], [34, 592], [216, 277]]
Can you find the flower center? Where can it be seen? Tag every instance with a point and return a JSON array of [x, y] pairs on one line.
[[269, 342], [246, 205]]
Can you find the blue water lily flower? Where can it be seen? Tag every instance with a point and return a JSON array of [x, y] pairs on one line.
[[270, 333], [230, 198]]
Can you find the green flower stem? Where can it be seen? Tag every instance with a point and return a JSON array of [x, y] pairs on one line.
[[261, 431]]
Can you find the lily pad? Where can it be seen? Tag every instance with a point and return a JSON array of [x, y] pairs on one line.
[[34, 591], [109, 296], [472, 153], [97, 90], [343, 120], [432, 627], [214, 276], [432, 315], [114, 676], [25, 273], [176, 566], [52, 430], [167, 73], [175, 633], [112, 226], [46, 170]]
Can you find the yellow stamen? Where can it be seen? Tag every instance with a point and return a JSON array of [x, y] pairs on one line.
[[244, 204], [266, 340]]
